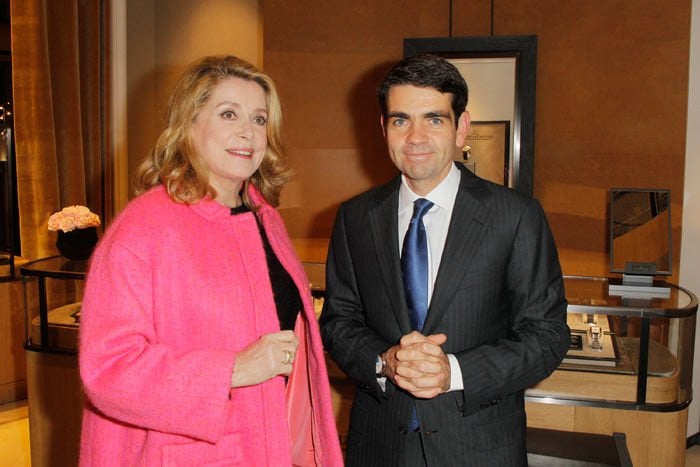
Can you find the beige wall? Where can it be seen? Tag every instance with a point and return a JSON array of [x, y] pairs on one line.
[[326, 77]]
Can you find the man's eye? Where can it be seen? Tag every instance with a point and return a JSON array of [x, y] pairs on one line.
[[436, 121], [261, 121], [399, 122], [228, 114]]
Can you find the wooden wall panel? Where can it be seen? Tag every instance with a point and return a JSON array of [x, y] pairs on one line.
[[610, 110], [326, 59], [471, 18], [652, 438]]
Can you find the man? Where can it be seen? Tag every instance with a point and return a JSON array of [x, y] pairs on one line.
[[445, 388]]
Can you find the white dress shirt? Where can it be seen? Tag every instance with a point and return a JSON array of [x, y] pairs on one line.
[[437, 223]]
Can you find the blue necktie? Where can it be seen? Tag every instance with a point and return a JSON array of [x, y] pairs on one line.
[[414, 262]]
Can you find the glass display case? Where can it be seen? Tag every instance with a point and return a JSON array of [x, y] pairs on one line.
[[630, 349]]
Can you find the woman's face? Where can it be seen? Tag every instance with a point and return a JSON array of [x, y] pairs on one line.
[[229, 134]]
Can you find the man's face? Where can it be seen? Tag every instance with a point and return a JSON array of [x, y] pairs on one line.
[[421, 135]]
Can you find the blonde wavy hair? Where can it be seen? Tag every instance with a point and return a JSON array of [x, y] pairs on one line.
[[174, 163]]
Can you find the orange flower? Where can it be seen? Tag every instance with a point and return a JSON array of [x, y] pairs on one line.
[[73, 217]]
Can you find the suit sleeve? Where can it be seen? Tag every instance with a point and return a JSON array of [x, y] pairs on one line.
[[535, 303], [346, 335]]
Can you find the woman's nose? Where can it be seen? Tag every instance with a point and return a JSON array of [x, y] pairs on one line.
[[245, 129]]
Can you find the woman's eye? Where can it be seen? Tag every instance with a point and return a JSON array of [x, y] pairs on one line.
[[228, 114], [261, 121]]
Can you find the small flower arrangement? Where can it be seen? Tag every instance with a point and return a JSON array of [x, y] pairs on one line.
[[73, 217]]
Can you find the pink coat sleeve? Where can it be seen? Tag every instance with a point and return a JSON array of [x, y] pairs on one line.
[[127, 373]]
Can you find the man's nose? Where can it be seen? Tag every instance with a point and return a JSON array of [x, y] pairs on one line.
[[416, 134]]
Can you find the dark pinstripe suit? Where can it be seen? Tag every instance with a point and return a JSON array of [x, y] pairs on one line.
[[498, 296]]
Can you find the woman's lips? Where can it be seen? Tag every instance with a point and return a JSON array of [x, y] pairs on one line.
[[242, 153]]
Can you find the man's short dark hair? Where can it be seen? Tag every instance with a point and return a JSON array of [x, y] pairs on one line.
[[426, 71]]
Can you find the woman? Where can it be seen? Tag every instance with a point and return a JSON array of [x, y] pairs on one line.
[[198, 339]]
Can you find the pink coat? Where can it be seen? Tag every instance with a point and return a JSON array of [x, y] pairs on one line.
[[173, 293]]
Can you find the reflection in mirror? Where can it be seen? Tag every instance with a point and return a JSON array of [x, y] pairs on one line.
[[487, 151], [500, 72], [640, 232]]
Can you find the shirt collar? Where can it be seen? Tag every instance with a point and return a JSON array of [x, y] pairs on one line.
[[442, 195]]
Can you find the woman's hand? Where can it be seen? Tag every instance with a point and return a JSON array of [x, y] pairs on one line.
[[271, 355]]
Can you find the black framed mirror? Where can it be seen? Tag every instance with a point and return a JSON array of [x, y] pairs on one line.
[[513, 61], [640, 231]]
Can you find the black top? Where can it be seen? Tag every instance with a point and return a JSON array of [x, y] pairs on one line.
[[287, 299]]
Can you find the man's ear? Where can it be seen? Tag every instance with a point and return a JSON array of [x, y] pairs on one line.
[[462, 128], [381, 122]]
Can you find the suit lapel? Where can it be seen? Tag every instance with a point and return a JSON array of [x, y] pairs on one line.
[[383, 217], [470, 218]]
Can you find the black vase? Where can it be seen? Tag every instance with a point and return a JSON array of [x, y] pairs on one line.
[[77, 244]]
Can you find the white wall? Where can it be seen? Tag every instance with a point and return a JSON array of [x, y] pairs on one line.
[[690, 243], [189, 29]]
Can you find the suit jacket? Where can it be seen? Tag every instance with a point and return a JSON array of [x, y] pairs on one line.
[[499, 298]]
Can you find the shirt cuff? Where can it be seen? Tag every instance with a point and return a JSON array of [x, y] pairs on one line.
[[456, 382], [379, 367], [382, 383]]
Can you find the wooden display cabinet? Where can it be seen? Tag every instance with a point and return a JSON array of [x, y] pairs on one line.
[[639, 383]]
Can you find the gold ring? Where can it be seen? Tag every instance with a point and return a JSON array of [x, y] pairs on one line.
[[287, 357]]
